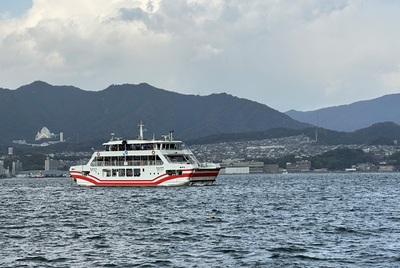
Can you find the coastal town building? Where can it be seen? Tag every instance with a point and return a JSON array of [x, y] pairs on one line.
[[298, 166], [271, 168], [2, 169], [386, 168], [16, 168], [241, 167], [50, 164]]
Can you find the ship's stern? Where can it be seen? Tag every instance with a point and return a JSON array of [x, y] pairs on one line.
[[205, 174]]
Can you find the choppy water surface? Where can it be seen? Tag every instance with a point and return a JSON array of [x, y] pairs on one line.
[[325, 220]]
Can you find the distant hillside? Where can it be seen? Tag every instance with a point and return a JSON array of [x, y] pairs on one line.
[[89, 115], [379, 134], [353, 116]]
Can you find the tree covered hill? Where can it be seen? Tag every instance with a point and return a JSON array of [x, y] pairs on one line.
[[90, 115]]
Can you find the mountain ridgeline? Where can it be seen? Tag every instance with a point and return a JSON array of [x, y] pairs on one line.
[[353, 116], [92, 115]]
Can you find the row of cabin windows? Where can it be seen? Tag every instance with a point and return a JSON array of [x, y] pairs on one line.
[[138, 147], [121, 172], [144, 160], [132, 172]]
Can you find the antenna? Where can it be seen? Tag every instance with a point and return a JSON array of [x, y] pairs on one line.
[[141, 130]]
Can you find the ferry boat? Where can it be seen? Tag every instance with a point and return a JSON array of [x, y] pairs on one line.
[[144, 162]]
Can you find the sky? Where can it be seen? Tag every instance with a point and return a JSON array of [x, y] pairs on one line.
[[288, 54]]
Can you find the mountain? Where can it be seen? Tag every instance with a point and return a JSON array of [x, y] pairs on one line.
[[88, 115], [353, 116]]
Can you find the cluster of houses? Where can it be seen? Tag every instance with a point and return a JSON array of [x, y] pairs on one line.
[[232, 155]]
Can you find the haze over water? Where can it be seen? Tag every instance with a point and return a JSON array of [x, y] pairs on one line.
[[308, 220]]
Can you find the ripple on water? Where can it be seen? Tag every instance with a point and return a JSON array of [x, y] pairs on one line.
[[293, 220]]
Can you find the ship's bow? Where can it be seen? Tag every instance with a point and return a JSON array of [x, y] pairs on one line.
[[79, 175]]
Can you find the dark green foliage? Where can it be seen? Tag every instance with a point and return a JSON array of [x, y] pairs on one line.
[[381, 141], [395, 157], [339, 159], [288, 158], [248, 136], [34, 161]]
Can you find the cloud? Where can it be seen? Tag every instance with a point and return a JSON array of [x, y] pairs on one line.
[[285, 54], [391, 80], [206, 52]]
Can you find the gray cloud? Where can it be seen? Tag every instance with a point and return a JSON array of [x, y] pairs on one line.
[[285, 54], [133, 14]]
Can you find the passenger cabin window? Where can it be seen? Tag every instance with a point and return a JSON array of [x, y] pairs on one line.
[[170, 146], [178, 159], [173, 172], [107, 172]]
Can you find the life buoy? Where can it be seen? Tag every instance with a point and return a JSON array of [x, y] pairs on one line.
[[98, 154], [153, 152]]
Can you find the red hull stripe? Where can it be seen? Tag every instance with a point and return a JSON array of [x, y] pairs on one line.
[[197, 175], [154, 182]]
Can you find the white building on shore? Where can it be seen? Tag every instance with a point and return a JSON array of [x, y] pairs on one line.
[[44, 133]]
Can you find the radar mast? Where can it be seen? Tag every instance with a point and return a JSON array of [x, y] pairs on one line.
[[141, 130]]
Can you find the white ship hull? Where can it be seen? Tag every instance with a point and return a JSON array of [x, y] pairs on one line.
[[188, 177]]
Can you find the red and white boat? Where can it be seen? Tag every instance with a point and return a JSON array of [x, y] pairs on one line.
[[140, 162]]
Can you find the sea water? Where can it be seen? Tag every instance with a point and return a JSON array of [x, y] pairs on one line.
[[283, 220]]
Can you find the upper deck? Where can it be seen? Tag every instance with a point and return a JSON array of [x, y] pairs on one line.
[[167, 143], [138, 145]]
